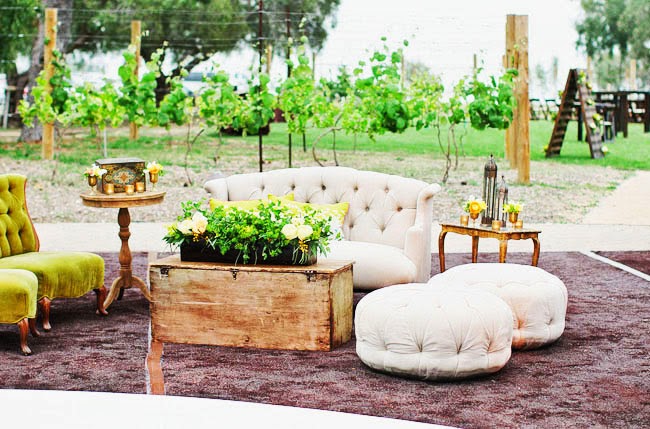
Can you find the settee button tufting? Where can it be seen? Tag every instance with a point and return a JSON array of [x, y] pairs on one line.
[[323, 187], [367, 209], [293, 187], [399, 209]]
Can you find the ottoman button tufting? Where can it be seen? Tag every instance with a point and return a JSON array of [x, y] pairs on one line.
[[417, 331], [538, 299]]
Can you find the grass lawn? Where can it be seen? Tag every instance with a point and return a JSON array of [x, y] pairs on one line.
[[79, 149]]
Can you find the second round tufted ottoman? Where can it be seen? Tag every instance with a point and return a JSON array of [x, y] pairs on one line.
[[417, 331], [538, 299]]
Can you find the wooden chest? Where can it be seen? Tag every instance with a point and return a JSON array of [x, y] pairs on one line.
[[264, 306], [120, 172]]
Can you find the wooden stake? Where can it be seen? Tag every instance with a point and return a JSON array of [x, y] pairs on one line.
[[50, 46], [518, 134], [135, 41]]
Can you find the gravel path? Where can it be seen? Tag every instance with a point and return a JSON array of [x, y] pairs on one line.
[[558, 193]]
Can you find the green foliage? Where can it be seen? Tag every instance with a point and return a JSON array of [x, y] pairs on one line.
[[492, 103], [17, 22], [176, 108], [271, 227], [139, 93], [612, 31], [297, 91], [52, 99], [96, 108], [258, 106], [219, 103], [382, 99]]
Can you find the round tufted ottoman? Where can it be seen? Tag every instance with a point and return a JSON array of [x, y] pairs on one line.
[[538, 299], [418, 331]]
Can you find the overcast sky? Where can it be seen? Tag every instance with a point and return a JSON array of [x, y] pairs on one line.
[[445, 35]]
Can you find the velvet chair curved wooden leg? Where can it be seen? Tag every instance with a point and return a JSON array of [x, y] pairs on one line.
[[101, 297], [32, 327], [44, 305], [23, 327]]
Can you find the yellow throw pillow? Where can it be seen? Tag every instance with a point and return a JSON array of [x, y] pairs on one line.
[[288, 197], [242, 205], [336, 211]]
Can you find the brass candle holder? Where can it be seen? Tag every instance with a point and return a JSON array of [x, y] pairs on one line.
[[139, 186], [464, 220], [129, 189], [92, 182]]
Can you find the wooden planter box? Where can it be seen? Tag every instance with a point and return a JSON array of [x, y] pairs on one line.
[[264, 306]]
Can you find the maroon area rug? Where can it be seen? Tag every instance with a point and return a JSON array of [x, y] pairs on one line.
[[639, 260], [596, 375]]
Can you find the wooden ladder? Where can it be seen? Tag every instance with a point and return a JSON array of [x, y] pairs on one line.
[[576, 88]]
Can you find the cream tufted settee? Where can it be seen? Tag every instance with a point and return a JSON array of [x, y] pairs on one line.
[[387, 228]]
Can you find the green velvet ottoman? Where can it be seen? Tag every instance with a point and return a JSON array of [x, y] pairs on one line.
[[18, 289], [61, 275]]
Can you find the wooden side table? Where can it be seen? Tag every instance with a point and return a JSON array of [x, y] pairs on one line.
[[122, 201], [477, 232]]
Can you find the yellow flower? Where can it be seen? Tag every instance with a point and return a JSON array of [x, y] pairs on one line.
[[512, 207], [154, 168]]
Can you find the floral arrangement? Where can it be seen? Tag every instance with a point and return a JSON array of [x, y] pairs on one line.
[[267, 230], [94, 170], [512, 207], [474, 206], [155, 168]]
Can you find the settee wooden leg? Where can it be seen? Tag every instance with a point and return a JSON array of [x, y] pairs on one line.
[[101, 297], [44, 304], [32, 327], [23, 327]]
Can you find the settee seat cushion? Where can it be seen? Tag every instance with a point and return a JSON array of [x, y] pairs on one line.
[[18, 290], [60, 274], [417, 331], [375, 265], [538, 299]]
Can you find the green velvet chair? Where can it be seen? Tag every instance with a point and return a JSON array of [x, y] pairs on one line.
[[60, 274], [18, 289]]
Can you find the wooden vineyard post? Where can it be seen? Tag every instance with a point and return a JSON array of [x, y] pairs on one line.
[[517, 141], [135, 41], [47, 151]]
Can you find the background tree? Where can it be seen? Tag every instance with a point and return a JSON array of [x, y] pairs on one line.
[[194, 30], [19, 21], [291, 18], [616, 29]]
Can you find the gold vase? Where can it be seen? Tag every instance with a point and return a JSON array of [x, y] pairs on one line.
[[92, 182], [512, 218], [474, 216], [153, 178]]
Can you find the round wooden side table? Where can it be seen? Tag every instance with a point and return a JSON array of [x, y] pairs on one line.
[[123, 202]]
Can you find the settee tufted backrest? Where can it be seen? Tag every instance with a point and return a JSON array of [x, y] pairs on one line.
[[17, 234], [382, 206]]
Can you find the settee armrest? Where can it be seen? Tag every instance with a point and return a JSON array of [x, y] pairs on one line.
[[217, 188], [417, 243]]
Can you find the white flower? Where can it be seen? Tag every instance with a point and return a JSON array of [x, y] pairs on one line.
[[297, 221], [200, 223], [304, 232], [185, 227], [290, 231]]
